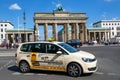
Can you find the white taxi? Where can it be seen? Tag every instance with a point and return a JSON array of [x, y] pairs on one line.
[[54, 56]]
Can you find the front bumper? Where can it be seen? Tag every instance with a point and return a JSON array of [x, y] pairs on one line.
[[90, 67]]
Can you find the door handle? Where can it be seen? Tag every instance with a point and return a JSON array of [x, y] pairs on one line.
[[28, 55], [46, 57]]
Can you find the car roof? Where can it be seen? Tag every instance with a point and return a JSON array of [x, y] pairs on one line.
[[53, 42]]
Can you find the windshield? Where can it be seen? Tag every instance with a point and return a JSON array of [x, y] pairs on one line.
[[68, 47]]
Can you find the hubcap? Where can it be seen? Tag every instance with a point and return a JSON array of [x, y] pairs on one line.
[[73, 70], [24, 67]]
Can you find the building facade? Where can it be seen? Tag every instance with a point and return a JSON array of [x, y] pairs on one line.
[[4, 25], [19, 35], [77, 21], [98, 34], [113, 25]]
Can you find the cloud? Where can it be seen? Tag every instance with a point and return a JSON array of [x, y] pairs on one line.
[[15, 7], [108, 0], [54, 3], [104, 15], [115, 18]]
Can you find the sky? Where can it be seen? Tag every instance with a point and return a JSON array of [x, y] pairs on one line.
[[95, 10]]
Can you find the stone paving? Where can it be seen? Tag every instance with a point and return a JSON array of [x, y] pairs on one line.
[[7, 52]]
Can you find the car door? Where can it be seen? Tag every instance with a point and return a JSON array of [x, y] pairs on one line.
[[49, 59]]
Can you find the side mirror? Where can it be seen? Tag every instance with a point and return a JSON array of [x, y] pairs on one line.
[[59, 52]]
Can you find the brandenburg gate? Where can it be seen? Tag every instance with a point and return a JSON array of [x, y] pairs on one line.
[[77, 21]]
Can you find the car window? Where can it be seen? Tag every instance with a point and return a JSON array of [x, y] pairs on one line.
[[30, 48], [73, 41], [51, 48], [68, 47], [41, 48], [38, 48], [69, 41], [24, 47], [77, 40], [35, 47]]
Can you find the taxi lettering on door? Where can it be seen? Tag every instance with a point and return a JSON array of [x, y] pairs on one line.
[[48, 59]]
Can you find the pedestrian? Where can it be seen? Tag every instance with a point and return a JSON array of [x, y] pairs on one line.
[[7, 45], [10, 45]]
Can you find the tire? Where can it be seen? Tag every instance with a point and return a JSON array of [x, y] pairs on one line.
[[74, 70], [24, 67]]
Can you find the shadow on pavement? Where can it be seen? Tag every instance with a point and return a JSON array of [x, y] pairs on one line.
[[16, 69]]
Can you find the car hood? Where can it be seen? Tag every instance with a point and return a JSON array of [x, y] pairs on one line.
[[84, 54]]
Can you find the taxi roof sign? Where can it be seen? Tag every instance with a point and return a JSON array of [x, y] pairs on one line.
[[51, 39]]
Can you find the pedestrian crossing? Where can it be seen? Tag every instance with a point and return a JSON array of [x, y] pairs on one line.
[[7, 54]]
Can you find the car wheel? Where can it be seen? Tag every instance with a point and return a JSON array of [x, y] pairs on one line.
[[74, 70], [24, 67]]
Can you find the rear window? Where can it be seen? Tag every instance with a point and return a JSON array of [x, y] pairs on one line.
[[32, 47], [24, 47]]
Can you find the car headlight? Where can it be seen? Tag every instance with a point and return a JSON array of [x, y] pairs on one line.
[[88, 59]]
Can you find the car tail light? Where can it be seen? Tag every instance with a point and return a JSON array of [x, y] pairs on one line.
[[15, 54]]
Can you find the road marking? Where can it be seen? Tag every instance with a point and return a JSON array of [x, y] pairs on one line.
[[7, 54], [10, 66], [110, 74], [6, 65], [42, 74], [28, 74], [16, 73], [99, 73], [113, 74]]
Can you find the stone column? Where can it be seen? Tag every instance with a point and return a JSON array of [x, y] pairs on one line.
[[19, 36], [85, 33], [32, 36], [46, 31], [13, 37], [36, 32], [62, 36], [76, 31], [108, 34], [81, 28], [100, 35], [55, 31], [89, 37], [94, 35], [73, 31], [105, 36], [67, 31]]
